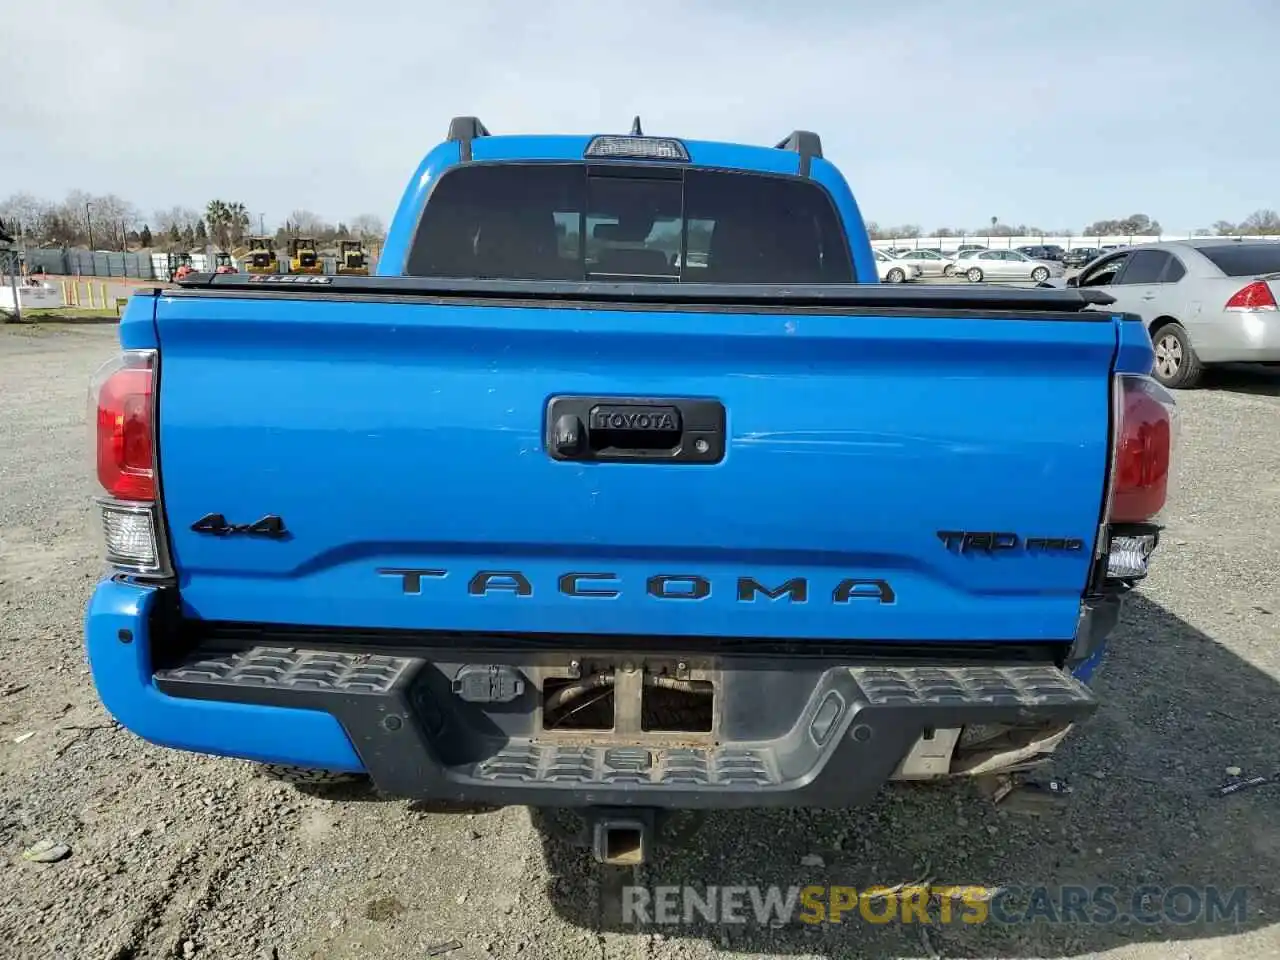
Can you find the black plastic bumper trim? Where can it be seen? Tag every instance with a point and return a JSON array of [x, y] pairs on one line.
[[399, 729]]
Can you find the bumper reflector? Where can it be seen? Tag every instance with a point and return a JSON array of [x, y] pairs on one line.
[[1129, 556], [131, 536]]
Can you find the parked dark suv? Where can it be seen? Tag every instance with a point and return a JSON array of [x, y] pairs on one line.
[[1048, 251], [1079, 256]]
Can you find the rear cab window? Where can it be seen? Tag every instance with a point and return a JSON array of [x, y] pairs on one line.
[[575, 222], [1245, 259]]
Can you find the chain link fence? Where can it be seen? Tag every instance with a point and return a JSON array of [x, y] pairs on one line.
[[65, 262]]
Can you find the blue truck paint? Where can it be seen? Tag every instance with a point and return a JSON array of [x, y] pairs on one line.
[[846, 471], [864, 262], [400, 233], [1087, 669], [122, 673], [1134, 353], [138, 323], [394, 435]]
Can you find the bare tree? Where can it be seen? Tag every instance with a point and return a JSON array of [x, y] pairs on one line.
[[172, 223], [1261, 223], [113, 219], [76, 218], [306, 223], [368, 227], [24, 215]]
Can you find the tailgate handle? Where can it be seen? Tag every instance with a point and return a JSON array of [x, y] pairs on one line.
[[636, 429]]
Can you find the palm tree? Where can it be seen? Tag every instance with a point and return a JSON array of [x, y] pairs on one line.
[[237, 218], [216, 215]]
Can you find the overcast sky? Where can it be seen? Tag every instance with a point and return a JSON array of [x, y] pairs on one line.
[[940, 113]]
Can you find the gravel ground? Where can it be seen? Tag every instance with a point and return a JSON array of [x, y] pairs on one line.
[[176, 855]]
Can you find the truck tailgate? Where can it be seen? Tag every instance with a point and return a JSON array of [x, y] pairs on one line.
[[402, 444]]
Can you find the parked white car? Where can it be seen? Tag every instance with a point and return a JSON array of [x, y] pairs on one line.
[[931, 262], [1006, 265], [893, 270]]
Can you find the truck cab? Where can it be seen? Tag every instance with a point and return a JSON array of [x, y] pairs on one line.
[[304, 256], [262, 258], [352, 259]]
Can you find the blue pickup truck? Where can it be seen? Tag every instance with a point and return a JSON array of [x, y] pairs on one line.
[[623, 486]]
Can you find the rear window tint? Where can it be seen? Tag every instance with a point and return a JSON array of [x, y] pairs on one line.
[[1145, 266], [1245, 259], [523, 221]]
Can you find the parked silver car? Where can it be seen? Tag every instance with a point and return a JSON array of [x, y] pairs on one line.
[[893, 270], [1006, 265], [1204, 301], [931, 262]]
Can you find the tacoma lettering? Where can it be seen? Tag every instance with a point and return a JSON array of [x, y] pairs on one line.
[[410, 580], [604, 585], [796, 589], [571, 584], [679, 586], [499, 581]]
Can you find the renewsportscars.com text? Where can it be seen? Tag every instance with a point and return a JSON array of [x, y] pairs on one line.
[[932, 904]]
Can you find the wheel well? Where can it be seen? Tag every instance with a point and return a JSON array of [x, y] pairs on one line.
[[1158, 324]]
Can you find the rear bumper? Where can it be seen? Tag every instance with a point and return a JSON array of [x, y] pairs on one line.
[[823, 736], [118, 637], [1238, 337]]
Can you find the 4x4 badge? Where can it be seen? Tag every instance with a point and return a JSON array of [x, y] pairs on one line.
[[216, 524]]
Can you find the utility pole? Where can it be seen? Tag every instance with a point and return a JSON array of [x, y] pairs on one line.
[[88, 219], [262, 225], [10, 260]]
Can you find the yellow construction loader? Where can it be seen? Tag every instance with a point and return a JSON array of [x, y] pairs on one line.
[[262, 257], [352, 260], [303, 256]]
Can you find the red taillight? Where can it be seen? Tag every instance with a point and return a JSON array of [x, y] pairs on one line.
[[124, 397], [1255, 296], [1146, 433]]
